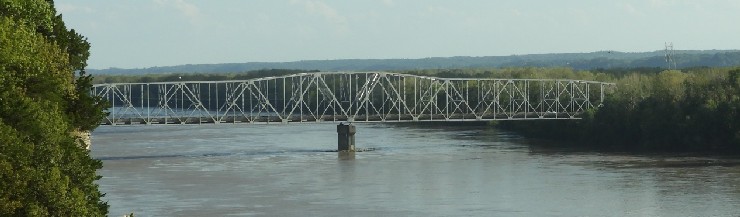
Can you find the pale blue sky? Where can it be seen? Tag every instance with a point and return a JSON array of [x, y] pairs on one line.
[[146, 33]]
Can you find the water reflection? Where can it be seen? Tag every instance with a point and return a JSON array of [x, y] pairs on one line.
[[346, 155]]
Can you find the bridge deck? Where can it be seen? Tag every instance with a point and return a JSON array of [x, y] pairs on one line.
[[327, 118]]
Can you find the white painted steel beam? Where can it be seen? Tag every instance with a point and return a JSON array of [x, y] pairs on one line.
[[349, 96]]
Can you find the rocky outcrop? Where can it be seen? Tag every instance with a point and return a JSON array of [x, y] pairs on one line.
[[84, 138]]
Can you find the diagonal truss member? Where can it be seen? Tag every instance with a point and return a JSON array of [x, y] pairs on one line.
[[349, 96]]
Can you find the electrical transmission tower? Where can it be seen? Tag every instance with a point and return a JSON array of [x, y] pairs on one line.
[[669, 56]]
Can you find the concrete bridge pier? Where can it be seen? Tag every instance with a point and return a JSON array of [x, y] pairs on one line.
[[346, 137]]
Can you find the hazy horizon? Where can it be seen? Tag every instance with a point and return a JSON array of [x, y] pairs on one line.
[[150, 33], [297, 61]]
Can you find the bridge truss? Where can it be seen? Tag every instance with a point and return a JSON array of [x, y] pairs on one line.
[[349, 96]]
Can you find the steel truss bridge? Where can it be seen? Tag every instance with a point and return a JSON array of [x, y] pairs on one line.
[[349, 96]]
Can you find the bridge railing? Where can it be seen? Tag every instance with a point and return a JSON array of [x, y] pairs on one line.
[[349, 96]]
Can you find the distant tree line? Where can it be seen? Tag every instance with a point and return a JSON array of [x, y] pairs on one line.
[[696, 110], [148, 78], [578, 61]]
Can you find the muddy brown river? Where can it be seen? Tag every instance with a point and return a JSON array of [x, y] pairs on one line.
[[290, 170]]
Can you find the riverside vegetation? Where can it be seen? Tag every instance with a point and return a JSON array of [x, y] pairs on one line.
[[44, 104], [672, 111], [651, 109]]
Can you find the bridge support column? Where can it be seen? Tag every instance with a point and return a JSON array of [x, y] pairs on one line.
[[346, 137]]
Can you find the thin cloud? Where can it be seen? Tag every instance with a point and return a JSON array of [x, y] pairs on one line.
[[516, 12], [319, 8], [188, 10], [388, 3], [629, 8], [70, 8], [442, 11], [324, 10]]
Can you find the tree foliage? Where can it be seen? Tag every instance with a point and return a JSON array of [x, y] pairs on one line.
[[696, 110], [43, 169]]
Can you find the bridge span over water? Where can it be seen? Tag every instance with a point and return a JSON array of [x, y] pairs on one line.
[[349, 96]]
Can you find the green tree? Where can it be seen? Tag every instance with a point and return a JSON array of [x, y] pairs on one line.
[[43, 169]]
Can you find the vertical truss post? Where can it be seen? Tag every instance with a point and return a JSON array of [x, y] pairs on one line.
[[408, 97]]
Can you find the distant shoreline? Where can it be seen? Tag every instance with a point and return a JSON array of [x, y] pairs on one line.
[[577, 61]]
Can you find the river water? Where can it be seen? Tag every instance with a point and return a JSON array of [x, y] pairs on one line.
[[289, 170]]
